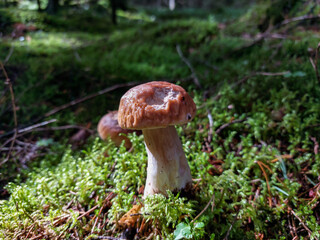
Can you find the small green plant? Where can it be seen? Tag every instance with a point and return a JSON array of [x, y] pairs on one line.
[[166, 212], [189, 231]]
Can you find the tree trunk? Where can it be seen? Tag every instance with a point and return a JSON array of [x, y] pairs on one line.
[[39, 6], [53, 6], [93, 3], [113, 4], [172, 4]]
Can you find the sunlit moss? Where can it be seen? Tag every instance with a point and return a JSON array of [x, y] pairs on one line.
[[247, 174]]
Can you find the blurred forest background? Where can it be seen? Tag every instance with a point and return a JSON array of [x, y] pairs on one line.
[[252, 67]]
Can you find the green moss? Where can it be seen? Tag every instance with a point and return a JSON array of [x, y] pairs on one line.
[[244, 172]]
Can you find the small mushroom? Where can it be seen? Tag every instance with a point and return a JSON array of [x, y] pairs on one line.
[[155, 108], [108, 127]]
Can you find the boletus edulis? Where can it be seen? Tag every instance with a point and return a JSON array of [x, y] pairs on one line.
[[155, 108]]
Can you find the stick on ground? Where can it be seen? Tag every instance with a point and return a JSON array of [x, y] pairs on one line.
[[185, 60]]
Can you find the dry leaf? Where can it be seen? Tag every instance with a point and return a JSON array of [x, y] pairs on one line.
[[131, 217]]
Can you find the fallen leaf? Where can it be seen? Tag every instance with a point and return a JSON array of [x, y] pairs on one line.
[[131, 217]]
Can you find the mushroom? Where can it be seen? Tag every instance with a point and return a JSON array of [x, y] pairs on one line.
[[108, 127], [155, 108]]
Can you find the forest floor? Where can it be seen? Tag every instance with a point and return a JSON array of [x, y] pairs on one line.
[[253, 147]]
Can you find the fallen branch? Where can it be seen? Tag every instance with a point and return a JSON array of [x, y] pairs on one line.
[[185, 60], [90, 96], [74, 102]]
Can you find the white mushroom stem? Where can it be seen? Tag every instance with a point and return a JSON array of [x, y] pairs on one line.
[[168, 168]]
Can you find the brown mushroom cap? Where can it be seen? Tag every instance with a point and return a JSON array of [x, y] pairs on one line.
[[154, 105], [108, 127]]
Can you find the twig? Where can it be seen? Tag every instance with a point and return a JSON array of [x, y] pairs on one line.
[[313, 65], [108, 198], [18, 234], [185, 60], [297, 19], [316, 62], [253, 74], [316, 145], [37, 237], [272, 73], [23, 131], [210, 126], [228, 124], [36, 128], [31, 228], [205, 208], [290, 226], [233, 85], [32, 127], [268, 33], [285, 156], [233, 222], [77, 56], [257, 40], [209, 65], [9, 55], [5, 149], [94, 225], [312, 126], [8, 82], [261, 164], [90, 96], [294, 228], [66, 127], [87, 212], [106, 237], [112, 169], [150, 236], [60, 220], [303, 224]]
